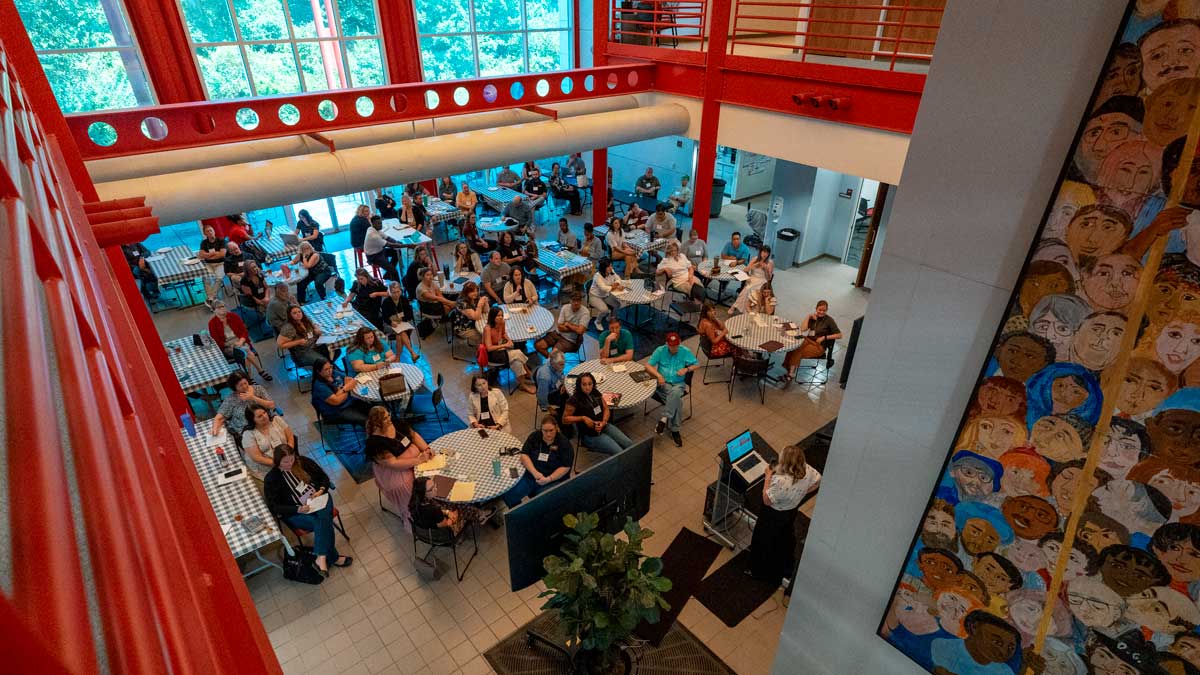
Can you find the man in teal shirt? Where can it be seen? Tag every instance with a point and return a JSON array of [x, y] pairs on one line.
[[616, 343], [736, 250], [670, 364]]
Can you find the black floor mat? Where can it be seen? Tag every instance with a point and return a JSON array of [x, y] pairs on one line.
[[349, 449], [731, 594], [685, 562]]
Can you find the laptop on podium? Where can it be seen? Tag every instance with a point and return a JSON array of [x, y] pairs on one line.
[[744, 458]]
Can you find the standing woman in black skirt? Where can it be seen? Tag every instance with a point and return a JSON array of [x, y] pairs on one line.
[[773, 544]]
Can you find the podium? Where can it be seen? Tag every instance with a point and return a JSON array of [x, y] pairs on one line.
[[730, 500]]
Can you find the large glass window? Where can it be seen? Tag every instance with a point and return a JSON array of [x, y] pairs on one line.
[[265, 47], [483, 38], [88, 53]]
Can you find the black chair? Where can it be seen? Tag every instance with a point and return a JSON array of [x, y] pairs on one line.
[[706, 349], [439, 399], [753, 368], [340, 426], [682, 306], [687, 396], [815, 366], [440, 537], [299, 533]]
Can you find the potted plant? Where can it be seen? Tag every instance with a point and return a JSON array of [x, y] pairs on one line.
[[602, 588]]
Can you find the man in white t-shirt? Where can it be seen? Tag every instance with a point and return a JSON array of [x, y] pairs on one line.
[[567, 336]]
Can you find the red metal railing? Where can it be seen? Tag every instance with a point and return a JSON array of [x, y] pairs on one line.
[[659, 23], [899, 32], [84, 429], [119, 133]]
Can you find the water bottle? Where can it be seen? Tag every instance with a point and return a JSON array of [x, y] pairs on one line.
[[496, 467], [220, 450], [188, 424]]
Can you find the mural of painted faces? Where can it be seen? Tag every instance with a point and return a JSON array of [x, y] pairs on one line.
[[1030, 517], [1110, 127], [1095, 345], [1056, 439], [1109, 281], [1122, 76], [1147, 383], [1178, 345], [1023, 354], [1171, 299], [1169, 110], [1096, 231], [1170, 52]]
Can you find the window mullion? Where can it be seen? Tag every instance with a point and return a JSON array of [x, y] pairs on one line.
[[241, 42], [474, 36], [287, 19]]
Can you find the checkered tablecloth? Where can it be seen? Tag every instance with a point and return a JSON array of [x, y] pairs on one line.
[[562, 264], [495, 226], [494, 195], [469, 458], [170, 268], [637, 294], [324, 314], [298, 274], [275, 249], [632, 393], [407, 236], [451, 287], [368, 383], [197, 367], [725, 273], [438, 211], [519, 322], [231, 502], [753, 334]]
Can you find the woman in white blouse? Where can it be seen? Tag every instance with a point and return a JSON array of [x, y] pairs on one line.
[[264, 432], [761, 270], [621, 250], [600, 297], [489, 408], [520, 290], [773, 544]]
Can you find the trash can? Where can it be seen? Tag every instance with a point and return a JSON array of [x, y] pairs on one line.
[[787, 245], [718, 197]]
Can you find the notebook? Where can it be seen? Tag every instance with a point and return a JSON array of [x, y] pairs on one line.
[[771, 346], [440, 486], [640, 376], [438, 462], [462, 492]]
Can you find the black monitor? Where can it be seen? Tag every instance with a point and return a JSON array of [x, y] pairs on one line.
[[616, 488]]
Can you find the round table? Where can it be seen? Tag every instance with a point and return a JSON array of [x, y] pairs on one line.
[[527, 322], [272, 278], [635, 293], [725, 273], [632, 393], [469, 458], [368, 383], [496, 226], [451, 288], [753, 335]]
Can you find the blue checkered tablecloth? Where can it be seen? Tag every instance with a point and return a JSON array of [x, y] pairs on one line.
[[469, 458], [494, 195], [197, 367], [755, 329], [495, 226], [324, 313], [608, 381], [520, 318], [170, 268], [637, 294], [438, 211], [233, 502], [368, 383], [562, 264], [275, 249]]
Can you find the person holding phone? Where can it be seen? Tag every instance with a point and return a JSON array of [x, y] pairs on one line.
[[547, 457], [296, 490], [489, 408]]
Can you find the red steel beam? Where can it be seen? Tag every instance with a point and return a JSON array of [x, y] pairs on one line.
[[161, 34], [212, 122], [401, 53], [541, 110]]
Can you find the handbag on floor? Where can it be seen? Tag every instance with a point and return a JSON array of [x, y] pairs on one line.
[[302, 566]]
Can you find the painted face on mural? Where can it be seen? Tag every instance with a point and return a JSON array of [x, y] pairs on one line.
[[1184, 494], [1169, 110], [1162, 609], [1122, 77], [1103, 662], [1178, 345], [988, 642], [938, 530], [1063, 488], [1170, 299], [912, 611], [1130, 172], [996, 400], [1056, 439], [1170, 54], [1130, 504], [1096, 344], [978, 536], [989, 570], [1099, 534], [1102, 134], [1077, 562], [1096, 231], [1181, 557], [1026, 555], [1175, 436], [1067, 394], [996, 436], [952, 608], [1129, 571], [1147, 383], [1110, 282], [1021, 356], [1187, 646], [1052, 279], [974, 479], [1094, 604], [1030, 517], [938, 569]]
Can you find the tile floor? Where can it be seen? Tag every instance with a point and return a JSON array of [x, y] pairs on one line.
[[380, 617]]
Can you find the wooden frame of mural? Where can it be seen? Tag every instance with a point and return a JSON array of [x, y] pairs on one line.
[[1093, 380]]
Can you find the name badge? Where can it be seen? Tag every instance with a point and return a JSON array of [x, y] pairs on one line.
[[485, 415], [309, 335], [543, 457], [597, 409], [404, 442]]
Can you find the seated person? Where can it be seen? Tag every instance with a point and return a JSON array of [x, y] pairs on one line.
[[277, 308], [551, 385], [531, 255], [670, 364], [331, 396], [501, 350], [494, 276], [289, 488], [235, 261], [508, 178], [600, 296], [318, 271], [547, 456], [824, 329], [428, 514], [519, 290], [695, 249], [620, 248], [519, 212], [591, 414], [489, 408], [252, 289], [366, 296], [636, 218], [470, 234], [591, 247], [395, 312], [446, 191], [761, 270], [535, 189], [647, 184], [512, 252], [565, 237], [616, 343], [385, 204], [368, 353], [662, 224], [394, 450], [381, 250], [299, 336], [229, 333], [762, 300], [680, 273], [466, 261], [466, 200], [470, 312], [567, 335], [232, 412], [412, 212], [736, 250], [264, 432], [712, 329], [412, 276], [430, 298], [680, 197], [564, 190]]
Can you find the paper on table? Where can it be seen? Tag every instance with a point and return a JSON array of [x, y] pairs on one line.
[[214, 441], [619, 367], [317, 503], [462, 492], [362, 378], [740, 275], [327, 339], [155, 258], [438, 462]]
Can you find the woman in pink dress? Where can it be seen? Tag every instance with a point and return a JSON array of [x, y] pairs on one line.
[[393, 452]]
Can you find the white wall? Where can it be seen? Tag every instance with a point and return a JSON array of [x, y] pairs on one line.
[[754, 175], [994, 127], [794, 184], [828, 223], [669, 156]]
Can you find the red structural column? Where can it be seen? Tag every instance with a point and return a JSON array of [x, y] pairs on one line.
[[710, 114], [600, 186], [398, 25], [160, 31]]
